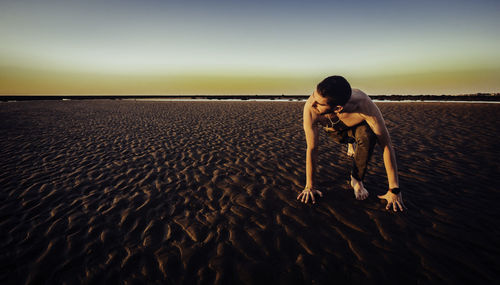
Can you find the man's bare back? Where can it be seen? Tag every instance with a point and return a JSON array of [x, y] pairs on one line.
[[350, 115], [358, 109]]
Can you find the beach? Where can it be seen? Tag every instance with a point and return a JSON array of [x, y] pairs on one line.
[[108, 191]]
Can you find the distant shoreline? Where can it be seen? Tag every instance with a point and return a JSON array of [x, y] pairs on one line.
[[414, 98]]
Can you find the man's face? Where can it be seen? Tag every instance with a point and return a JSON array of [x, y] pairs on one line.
[[320, 104]]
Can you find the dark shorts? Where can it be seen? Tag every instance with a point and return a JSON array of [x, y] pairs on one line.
[[342, 133], [365, 140]]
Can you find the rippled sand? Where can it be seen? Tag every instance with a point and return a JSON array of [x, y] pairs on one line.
[[204, 193]]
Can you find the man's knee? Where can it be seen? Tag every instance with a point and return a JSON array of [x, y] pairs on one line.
[[365, 136]]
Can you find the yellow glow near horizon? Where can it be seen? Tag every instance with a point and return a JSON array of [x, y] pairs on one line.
[[45, 82]]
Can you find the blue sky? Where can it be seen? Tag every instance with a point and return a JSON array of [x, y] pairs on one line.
[[228, 47]]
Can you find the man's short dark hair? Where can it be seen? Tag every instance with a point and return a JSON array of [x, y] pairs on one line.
[[336, 89]]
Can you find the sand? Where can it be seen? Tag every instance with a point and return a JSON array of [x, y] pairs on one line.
[[110, 191]]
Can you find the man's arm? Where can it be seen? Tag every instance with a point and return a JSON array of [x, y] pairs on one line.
[[376, 122], [311, 131]]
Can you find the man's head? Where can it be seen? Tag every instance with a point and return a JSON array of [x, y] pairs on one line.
[[336, 90]]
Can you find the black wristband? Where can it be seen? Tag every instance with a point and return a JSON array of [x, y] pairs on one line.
[[395, 190]]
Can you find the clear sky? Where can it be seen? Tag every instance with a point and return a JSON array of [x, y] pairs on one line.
[[248, 47]]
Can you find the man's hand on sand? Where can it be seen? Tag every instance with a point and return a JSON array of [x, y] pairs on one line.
[[308, 192], [394, 200]]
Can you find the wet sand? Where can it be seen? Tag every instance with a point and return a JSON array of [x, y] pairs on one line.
[[205, 193]]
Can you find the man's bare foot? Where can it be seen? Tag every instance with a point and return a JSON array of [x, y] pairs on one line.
[[350, 150], [360, 191]]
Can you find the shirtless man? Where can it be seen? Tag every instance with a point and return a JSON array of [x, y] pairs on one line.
[[348, 116]]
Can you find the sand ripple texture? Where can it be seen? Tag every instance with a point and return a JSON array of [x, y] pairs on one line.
[[205, 193]]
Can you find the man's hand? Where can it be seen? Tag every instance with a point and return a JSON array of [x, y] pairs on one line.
[[394, 200], [308, 192]]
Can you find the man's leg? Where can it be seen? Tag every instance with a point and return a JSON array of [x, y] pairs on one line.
[[365, 143], [343, 137], [350, 150]]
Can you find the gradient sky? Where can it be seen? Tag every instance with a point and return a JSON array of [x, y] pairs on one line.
[[248, 47]]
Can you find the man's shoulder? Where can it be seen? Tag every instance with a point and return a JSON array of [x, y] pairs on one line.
[[309, 115], [365, 105], [308, 105], [309, 100], [363, 100], [360, 94]]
